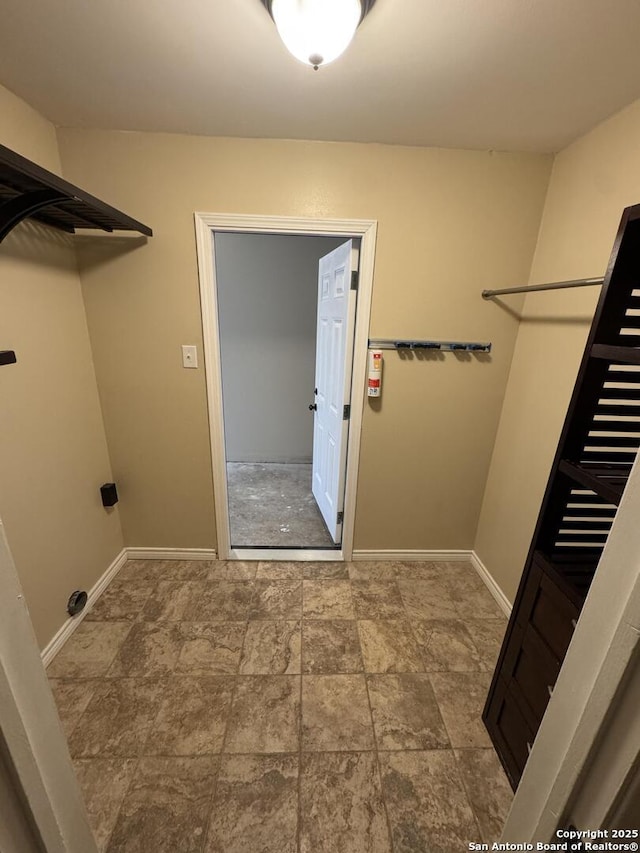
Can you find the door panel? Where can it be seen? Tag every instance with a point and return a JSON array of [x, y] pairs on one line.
[[334, 358]]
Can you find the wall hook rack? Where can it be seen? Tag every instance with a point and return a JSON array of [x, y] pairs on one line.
[[436, 346]]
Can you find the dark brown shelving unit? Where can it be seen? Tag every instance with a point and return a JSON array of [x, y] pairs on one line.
[[28, 190], [597, 447]]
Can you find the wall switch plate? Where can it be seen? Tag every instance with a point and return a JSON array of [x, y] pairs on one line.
[[189, 356]]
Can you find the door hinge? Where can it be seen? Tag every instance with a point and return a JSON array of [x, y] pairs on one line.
[[354, 280], [346, 413], [340, 517]]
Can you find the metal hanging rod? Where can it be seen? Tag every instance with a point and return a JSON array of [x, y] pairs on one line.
[[556, 285], [441, 346]]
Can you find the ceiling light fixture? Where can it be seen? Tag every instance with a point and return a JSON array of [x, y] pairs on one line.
[[317, 31]]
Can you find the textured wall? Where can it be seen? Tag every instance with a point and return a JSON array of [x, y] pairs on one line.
[[53, 452], [592, 181], [450, 223], [267, 303]]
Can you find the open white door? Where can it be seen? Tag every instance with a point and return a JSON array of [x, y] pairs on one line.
[[334, 358]]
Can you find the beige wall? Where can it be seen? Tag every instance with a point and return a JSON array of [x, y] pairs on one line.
[[53, 453], [591, 182], [450, 223]]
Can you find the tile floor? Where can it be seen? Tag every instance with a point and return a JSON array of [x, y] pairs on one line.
[[271, 505], [285, 708]]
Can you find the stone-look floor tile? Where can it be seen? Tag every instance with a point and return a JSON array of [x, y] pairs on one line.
[[377, 600], [103, 782], [320, 570], [158, 570], [192, 717], [341, 804], [233, 570], [169, 602], [265, 715], [389, 646], [327, 599], [117, 720], [405, 712], [427, 599], [461, 697], [221, 601], [150, 650], [471, 597], [487, 635], [371, 571], [427, 807], [142, 570], [186, 570], [279, 570], [122, 600], [167, 806], [271, 648], [420, 570], [277, 600], [446, 646], [210, 648], [335, 713], [72, 699], [90, 651], [487, 788], [256, 805], [331, 646]]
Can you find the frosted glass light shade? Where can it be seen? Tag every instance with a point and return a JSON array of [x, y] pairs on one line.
[[316, 31]]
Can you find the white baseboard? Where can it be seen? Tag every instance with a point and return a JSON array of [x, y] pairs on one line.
[[294, 555], [444, 556], [402, 556], [60, 638], [501, 599], [171, 554]]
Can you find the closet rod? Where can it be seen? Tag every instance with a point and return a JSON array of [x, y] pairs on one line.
[[556, 285]]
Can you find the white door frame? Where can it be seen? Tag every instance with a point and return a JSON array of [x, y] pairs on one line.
[[206, 224], [36, 745]]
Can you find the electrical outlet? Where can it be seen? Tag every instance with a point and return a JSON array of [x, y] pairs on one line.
[[189, 356]]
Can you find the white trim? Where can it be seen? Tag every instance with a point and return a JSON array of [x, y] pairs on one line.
[[501, 599], [407, 556], [293, 555], [38, 754], [443, 557], [205, 225], [60, 637], [171, 553]]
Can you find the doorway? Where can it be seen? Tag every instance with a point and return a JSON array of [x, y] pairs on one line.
[[265, 406]]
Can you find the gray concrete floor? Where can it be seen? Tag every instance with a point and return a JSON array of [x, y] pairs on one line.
[[271, 504]]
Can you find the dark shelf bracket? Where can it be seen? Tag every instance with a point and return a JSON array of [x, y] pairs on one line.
[[14, 211], [7, 356]]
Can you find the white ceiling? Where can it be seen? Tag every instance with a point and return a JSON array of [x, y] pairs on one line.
[[525, 75]]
